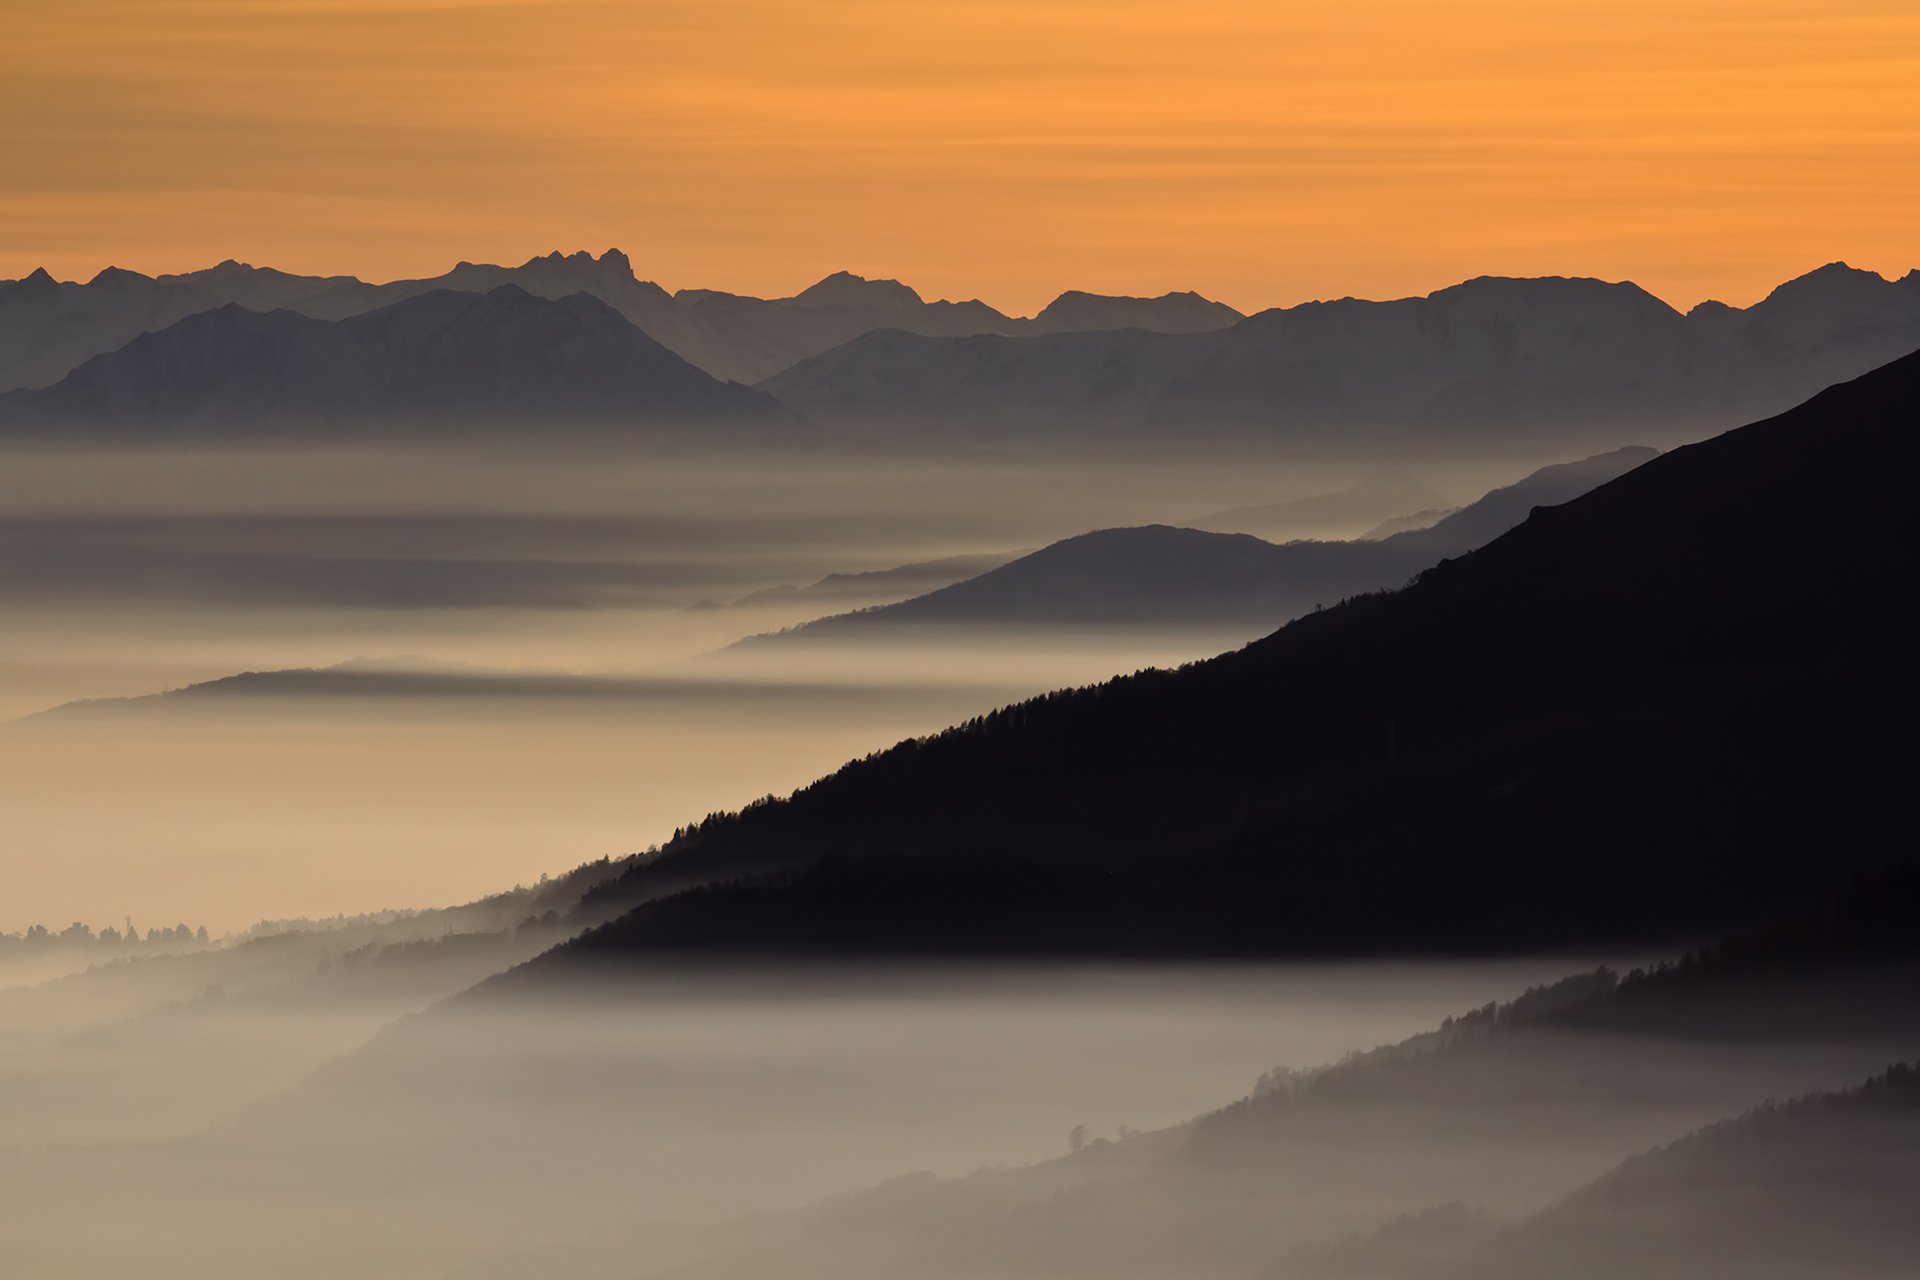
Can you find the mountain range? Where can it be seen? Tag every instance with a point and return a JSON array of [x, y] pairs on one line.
[[1167, 578], [1539, 366], [443, 359], [49, 327], [1488, 363]]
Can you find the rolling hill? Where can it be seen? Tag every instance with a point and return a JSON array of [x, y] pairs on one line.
[[1814, 1187], [1163, 578]]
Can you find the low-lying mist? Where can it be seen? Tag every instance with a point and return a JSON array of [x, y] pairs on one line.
[[188, 1139], [341, 691], [715, 1120], [586, 591]]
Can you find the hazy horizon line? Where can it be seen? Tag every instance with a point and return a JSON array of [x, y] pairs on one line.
[[641, 276]]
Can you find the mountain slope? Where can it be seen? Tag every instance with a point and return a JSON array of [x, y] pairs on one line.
[[1813, 1189], [1160, 577], [442, 359], [1661, 678]]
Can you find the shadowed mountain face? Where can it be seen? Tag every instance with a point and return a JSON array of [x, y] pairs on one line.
[[1483, 364], [1661, 678], [1171, 578], [1815, 1187], [442, 359], [48, 328]]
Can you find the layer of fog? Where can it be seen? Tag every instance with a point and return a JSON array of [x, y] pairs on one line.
[[621, 1129], [130, 573], [479, 1128]]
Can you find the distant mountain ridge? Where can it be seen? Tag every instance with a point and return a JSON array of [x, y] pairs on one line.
[[369, 682], [1187, 312], [48, 328], [1165, 577], [1487, 364], [438, 361], [1490, 364]]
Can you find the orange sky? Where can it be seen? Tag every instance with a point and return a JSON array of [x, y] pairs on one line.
[[1260, 151]]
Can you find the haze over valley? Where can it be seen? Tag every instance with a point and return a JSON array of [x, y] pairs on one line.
[[1236, 641]]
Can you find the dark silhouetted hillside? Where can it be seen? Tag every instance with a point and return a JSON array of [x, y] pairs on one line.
[[1655, 710]]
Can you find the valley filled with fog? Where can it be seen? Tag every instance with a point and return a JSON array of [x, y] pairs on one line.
[[567, 612], [1363, 791]]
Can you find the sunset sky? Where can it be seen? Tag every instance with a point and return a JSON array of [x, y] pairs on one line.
[[1262, 152]]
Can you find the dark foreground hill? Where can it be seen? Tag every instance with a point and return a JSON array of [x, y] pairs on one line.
[[1162, 578], [1658, 708], [437, 361]]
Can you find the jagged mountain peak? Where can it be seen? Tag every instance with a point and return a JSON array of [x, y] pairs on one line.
[[612, 263]]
